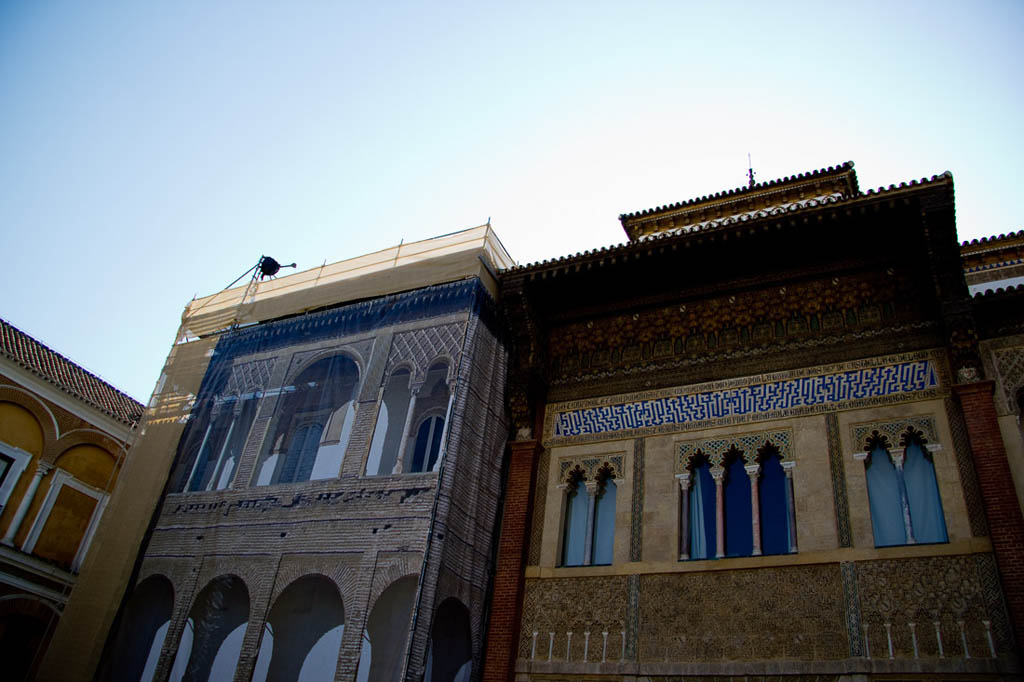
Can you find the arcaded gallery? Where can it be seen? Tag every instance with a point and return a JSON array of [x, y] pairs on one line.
[[774, 434]]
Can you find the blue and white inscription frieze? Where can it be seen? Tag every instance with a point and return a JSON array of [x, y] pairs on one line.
[[768, 397]]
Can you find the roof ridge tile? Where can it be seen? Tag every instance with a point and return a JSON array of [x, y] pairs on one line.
[[66, 374]]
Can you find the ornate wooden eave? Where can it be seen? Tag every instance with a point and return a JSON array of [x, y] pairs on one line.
[[999, 312], [839, 181], [906, 232], [739, 231]]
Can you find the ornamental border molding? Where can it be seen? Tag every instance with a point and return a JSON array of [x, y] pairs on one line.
[[715, 449], [931, 363]]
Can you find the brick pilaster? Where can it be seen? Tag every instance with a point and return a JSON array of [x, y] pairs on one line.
[[507, 595], [1005, 521]]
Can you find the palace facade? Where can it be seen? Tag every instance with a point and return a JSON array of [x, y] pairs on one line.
[[767, 437], [64, 434], [774, 434]]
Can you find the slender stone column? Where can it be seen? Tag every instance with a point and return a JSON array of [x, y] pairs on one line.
[[1005, 521], [790, 504], [753, 471], [507, 594], [26, 502], [588, 538], [684, 516], [400, 460], [199, 456], [718, 473]]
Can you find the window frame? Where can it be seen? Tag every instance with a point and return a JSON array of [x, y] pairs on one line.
[[587, 475], [60, 479], [752, 449], [897, 454], [20, 461]]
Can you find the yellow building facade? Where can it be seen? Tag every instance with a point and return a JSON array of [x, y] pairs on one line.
[[63, 439]]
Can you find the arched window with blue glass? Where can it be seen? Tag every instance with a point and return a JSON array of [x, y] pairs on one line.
[[698, 509], [903, 490], [736, 502], [604, 517], [588, 513], [738, 507], [776, 514], [312, 423], [574, 525]]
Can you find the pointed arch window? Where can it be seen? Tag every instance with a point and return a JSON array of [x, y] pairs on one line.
[[738, 507], [588, 520], [430, 409], [220, 448], [777, 518], [903, 491], [392, 415], [604, 521], [574, 531], [428, 443], [733, 504], [312, 423]]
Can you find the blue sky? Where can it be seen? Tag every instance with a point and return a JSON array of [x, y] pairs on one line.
[[150, 152]]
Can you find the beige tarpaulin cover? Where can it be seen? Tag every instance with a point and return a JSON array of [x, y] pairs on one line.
[[475, 252]]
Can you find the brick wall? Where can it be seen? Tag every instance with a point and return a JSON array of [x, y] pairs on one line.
[[1006, 524], [507, 595]]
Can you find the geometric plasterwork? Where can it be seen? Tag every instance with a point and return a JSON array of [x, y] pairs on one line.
[[892, 434], [422, 346], [715, 449], [249, 377], [590, 468], [1010, 366]]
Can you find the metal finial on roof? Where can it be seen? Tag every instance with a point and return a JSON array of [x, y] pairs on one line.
[[750, 171]]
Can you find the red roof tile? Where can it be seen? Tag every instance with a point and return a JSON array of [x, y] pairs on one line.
[[50, 365]]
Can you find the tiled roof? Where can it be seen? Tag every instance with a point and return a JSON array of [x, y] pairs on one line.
[[740, 191], [1000, 291], [712, 225], [991, 240], [23, 350]]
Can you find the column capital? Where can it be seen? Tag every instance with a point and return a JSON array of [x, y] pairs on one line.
[[717, 473], [753, 470], [43, 468]]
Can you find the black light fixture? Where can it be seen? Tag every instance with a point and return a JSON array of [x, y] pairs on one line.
[[269, 267], [265, 267]]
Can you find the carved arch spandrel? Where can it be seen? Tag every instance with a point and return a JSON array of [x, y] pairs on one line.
[[390, 568], [425, 347], [178, 571], [451, 586], [256, 572], [303, 361], [341, 569], [893, 434], [591, 468], [749, 444]]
